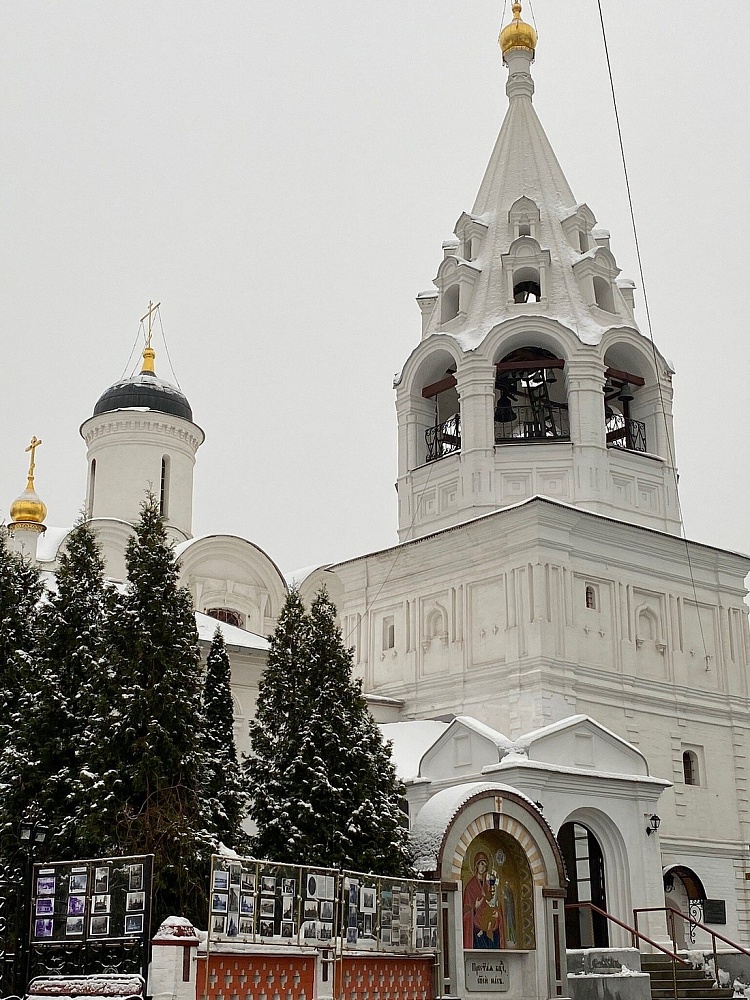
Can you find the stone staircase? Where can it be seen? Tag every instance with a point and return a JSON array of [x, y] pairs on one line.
[[692, 984]]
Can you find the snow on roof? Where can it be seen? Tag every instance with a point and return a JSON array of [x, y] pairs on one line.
[[538, 497], [436, 814], [49, 542], [233, 636], [297, 577], [500, 741], [524, 742], [518, 760], [411, 740]]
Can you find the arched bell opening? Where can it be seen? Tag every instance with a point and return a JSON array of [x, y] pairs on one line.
[[531, 401], [584, 861], [438, 425], [628, 420], [527, 286]]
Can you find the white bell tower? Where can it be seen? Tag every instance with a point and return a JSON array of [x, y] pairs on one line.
[[142, 437], [532, 377]]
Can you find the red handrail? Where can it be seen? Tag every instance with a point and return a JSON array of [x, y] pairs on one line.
[[635, 933], [632, 930]]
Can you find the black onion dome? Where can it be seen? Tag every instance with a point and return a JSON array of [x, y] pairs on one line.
[[144, 391]]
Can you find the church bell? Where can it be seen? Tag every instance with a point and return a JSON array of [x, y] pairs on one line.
[[504, 412]]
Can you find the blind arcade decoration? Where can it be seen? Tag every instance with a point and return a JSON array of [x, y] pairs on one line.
[[265, 902], [91, 915]]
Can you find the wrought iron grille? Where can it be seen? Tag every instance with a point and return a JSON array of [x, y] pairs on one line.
[[11, 887], [532, 423], [443, 439], [624, 432], [69, 958]]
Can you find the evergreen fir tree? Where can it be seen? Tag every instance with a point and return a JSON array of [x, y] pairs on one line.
[[274, 735], [331, 794], [20, 592], [225, 784], [42, 763], [141, 791]]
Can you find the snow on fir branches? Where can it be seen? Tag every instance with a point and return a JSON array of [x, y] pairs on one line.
[[41, 761], [323, 785], [142, 789], [102, 721], [225, 786]]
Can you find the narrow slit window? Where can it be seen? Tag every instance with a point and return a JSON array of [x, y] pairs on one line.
[[164, 487], [92, 486], [389, 633]]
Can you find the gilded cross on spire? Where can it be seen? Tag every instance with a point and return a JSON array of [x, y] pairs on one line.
[[33, 445], [148, 352]]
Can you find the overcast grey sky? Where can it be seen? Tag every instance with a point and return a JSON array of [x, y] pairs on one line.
[[281, 176]]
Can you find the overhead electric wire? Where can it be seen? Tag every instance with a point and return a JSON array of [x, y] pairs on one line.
[[667, 435], [132, 350], [166, 351]]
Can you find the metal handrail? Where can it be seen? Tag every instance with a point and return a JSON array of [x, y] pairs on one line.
[[626, 433], [443, 439], [636, 934], [671, 911]]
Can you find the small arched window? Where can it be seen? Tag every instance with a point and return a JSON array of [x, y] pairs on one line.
[[591, 598], [164, 487], [690, 767], [227, 615]]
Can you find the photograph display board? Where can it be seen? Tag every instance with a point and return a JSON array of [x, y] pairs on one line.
[[89, 901], [265, 902]]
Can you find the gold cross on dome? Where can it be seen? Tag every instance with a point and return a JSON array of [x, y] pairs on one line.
[[33, 445], [149, 315]]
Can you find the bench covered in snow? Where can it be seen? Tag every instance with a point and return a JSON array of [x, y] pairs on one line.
[[105, 986]]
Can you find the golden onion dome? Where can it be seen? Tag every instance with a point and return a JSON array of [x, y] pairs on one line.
[[28, 507], [517, 34]]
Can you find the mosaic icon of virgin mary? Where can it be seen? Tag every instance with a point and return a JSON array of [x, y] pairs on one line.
[[482, 907]]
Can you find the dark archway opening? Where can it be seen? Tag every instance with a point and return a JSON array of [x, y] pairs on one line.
[[584, 861]]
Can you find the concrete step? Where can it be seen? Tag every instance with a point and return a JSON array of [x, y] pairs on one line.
[[692, 984], [663, 993]]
